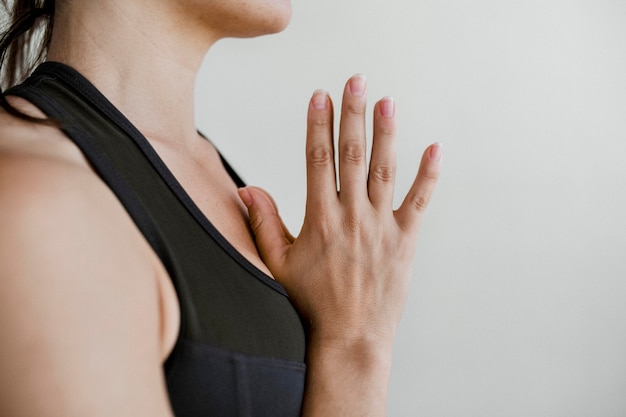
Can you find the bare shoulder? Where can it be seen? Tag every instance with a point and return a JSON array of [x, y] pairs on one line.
[[19, 137], [44, 178], [81, 303], [47, 184]]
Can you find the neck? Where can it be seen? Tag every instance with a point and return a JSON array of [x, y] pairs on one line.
[[146, 67]]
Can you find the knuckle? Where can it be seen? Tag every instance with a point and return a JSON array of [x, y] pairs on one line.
[[320, 156], [323, 225], [326, 228], [320, 123], [383, 173], [420, 201], [256, 223], [353, 152], [386, 131], [431, 175], [353, 224], [355, 109]]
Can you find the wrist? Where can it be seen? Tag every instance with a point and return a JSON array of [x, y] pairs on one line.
[[364, 349], [352, 336], [347, 377]]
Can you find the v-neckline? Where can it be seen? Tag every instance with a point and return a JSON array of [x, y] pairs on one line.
[[95, 98]]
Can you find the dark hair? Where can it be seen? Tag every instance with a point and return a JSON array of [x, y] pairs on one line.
[[24, 39]]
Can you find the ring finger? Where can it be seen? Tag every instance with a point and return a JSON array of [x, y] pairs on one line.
[[382, 170]]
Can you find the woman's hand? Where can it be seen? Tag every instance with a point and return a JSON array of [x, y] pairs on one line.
[[348, 270]]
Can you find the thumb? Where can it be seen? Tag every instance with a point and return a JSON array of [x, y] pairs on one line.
[[272, 238]]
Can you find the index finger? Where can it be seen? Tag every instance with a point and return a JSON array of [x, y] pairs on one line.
[[320, 159]]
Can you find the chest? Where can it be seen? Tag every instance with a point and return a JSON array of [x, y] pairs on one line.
[[214, 192]]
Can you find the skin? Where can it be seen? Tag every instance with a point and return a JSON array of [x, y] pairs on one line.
[[86, 323]]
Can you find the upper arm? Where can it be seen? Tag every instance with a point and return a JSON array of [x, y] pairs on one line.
[[79, 303]]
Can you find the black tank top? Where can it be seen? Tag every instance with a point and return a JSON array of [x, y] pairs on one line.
[[241, 347]]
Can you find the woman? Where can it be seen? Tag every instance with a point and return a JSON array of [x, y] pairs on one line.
[[119, 297]]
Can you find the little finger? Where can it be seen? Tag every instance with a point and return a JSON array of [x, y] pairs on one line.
[[412, 209]]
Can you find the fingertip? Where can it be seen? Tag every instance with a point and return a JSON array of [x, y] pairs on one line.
[[436, 151], [319, 101], [387, 107], [357, 85], [246, 196]]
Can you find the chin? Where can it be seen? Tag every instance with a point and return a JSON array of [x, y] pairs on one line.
[[281, 22], [273, 17], [255, 18]]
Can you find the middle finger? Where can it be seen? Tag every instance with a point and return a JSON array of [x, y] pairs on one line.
[[352, 166]]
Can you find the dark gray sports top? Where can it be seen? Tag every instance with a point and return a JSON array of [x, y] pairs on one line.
[[241, 347]]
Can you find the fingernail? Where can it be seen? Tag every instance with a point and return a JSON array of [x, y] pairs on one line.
[[388, 107], [320, 99], [436, 151], [245, 196], [357, 85]]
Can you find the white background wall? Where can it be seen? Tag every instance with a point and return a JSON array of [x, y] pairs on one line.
[[518, 301]]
